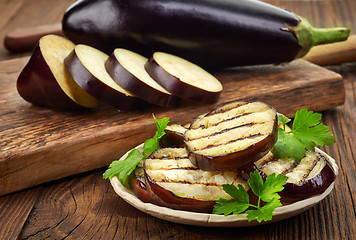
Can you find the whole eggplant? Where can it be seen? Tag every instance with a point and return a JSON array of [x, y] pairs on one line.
[[210, 33]]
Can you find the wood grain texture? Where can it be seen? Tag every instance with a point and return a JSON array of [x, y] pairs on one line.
[[34, 139], [15, 209], [85, 206], [23, 14]]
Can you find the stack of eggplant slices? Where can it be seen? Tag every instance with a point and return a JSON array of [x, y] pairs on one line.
[[224, 146], [65, 75]]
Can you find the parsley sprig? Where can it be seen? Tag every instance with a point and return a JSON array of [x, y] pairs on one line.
[[122, 169], [265, 191], [307, 131]]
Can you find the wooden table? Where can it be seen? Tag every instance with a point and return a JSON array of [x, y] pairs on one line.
[[86, 207]]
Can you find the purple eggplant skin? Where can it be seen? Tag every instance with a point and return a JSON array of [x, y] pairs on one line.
[[88, 82], [174, 85], [212, 34], [316, 185], [36, 84], [140, 190], [173, 137], [166, 198], [131, 83], [295, 192]]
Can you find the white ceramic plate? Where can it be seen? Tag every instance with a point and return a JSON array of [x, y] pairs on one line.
[[214, 220]]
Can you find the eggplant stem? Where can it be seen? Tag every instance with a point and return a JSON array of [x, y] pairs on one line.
[[308, 36], [329, 35]]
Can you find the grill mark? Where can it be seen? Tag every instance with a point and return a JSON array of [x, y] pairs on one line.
[[168, 158], [226, 130], [189, 183], [267, 162], [305, 176], [221, 110], [235, 127], [313, 166], [295, 164], [174, 168], [225, 120], [177, 168], [229, 142]]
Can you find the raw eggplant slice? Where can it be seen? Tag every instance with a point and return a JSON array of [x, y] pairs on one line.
[[127, 69], [45, 81], [311, 176], [183, 78], [87, 67], [176, 183], [232, 135]]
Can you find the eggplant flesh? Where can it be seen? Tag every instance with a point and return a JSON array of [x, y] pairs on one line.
[[210, 33]]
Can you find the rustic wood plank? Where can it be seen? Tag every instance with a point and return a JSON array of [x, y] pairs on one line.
[[325, 13], [22, 13], [343, 125], [34, 139], [334, 218], [14, 212]]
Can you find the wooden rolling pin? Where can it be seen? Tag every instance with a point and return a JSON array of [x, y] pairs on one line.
[[24, 39], [333, 53]]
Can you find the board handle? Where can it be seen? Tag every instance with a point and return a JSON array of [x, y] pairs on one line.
[[25, 39]]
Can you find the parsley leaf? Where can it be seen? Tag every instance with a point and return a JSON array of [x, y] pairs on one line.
[[287, 146], [307, 131], [265, 191], [283, 120], [122, 169], [268, 190], [256, 183], [239, 203], [152, 144], [264, 213]]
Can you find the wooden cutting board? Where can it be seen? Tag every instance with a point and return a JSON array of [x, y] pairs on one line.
[[42, 144]]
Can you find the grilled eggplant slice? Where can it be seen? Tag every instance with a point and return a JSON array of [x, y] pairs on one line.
[[232, 135], [311, 176], [174, 136], [138, 185], [183, 78], [127, 69], [175, 182]]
